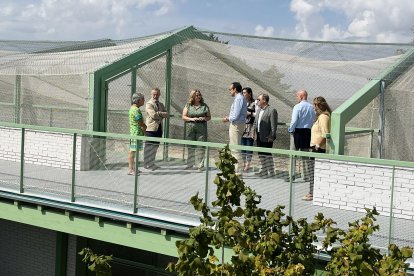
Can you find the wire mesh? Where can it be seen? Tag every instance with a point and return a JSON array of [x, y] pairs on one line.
[[48, 164], [47, 83], [342, 189], [402, 212], [104, 182], [10, 156]]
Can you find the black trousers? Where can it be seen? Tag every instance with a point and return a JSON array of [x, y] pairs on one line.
[[302, 138]]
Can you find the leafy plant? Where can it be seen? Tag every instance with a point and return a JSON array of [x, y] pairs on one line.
[[267, 242], [355, 256], [97, 263], [260, 239]]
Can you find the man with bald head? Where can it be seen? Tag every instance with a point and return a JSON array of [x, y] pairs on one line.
[[303, 117]]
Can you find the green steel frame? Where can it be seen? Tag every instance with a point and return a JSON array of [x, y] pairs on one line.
[[80, 225], [340, 117], [344, 113], [98, 94], [152, 239]]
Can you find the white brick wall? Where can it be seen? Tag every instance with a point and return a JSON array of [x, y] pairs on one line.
[[71, 257], [352, 186], [43, 148]]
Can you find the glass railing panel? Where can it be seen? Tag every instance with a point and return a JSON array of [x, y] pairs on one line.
[[402, 224], [103, 180], [10, 158], [48, 164]]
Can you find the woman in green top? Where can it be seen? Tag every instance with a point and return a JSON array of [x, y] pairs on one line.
[[195, 115], [137, 128]]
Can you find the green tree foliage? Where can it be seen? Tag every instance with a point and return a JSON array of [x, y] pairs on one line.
[[97, 263], [258, 237], [267, 242], [355, 256]]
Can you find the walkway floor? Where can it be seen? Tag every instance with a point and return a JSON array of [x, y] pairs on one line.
[[164, 194]]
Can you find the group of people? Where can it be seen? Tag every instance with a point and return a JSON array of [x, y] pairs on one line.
[[155, 113], [309, 125], [249, 121]]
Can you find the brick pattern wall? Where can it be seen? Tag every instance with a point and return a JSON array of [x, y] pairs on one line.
[[41, 148], [353, 186], [26, 250], [71, 258], [10, 144]]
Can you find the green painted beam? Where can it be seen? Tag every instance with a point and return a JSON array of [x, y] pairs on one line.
[[148, 52], [137, 237], [147, 239], [97, 84], [351, 107], [93, 102]]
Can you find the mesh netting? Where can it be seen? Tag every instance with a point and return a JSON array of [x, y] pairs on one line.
[[47, 83]]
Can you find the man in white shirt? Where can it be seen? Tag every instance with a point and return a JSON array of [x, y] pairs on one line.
[[237, 119], [265, 127]]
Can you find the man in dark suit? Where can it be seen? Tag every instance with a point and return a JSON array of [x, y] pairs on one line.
[[265, 127]]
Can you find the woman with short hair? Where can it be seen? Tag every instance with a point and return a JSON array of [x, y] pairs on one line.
[[137, 127]]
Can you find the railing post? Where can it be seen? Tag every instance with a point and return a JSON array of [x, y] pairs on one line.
[[168, 82], [22, 161], [291, 174], [136, 179], [381, 115], [184, 138], [370, 143], [206, 190], [391, 206], [72, 192]]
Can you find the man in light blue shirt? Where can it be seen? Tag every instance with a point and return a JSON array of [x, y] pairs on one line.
[[237, 119], [303, 114], [303, 117]]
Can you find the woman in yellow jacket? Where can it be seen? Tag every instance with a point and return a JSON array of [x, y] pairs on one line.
[[318, 133]]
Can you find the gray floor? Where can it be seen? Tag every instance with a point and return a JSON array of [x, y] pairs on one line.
[[164, 194]]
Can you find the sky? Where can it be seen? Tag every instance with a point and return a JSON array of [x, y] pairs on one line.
[[334, 20]]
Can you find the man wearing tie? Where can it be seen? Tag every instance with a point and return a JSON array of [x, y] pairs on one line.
[[155, 112]]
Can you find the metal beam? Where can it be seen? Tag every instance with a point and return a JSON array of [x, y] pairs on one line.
[[97, 120], [137, 237], [351, 107]]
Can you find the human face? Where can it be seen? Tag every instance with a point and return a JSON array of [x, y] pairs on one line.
[[155, 95], [141, 102], [232, 90], [298, 97], [262, 102], [246, 95], [197, 97]]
